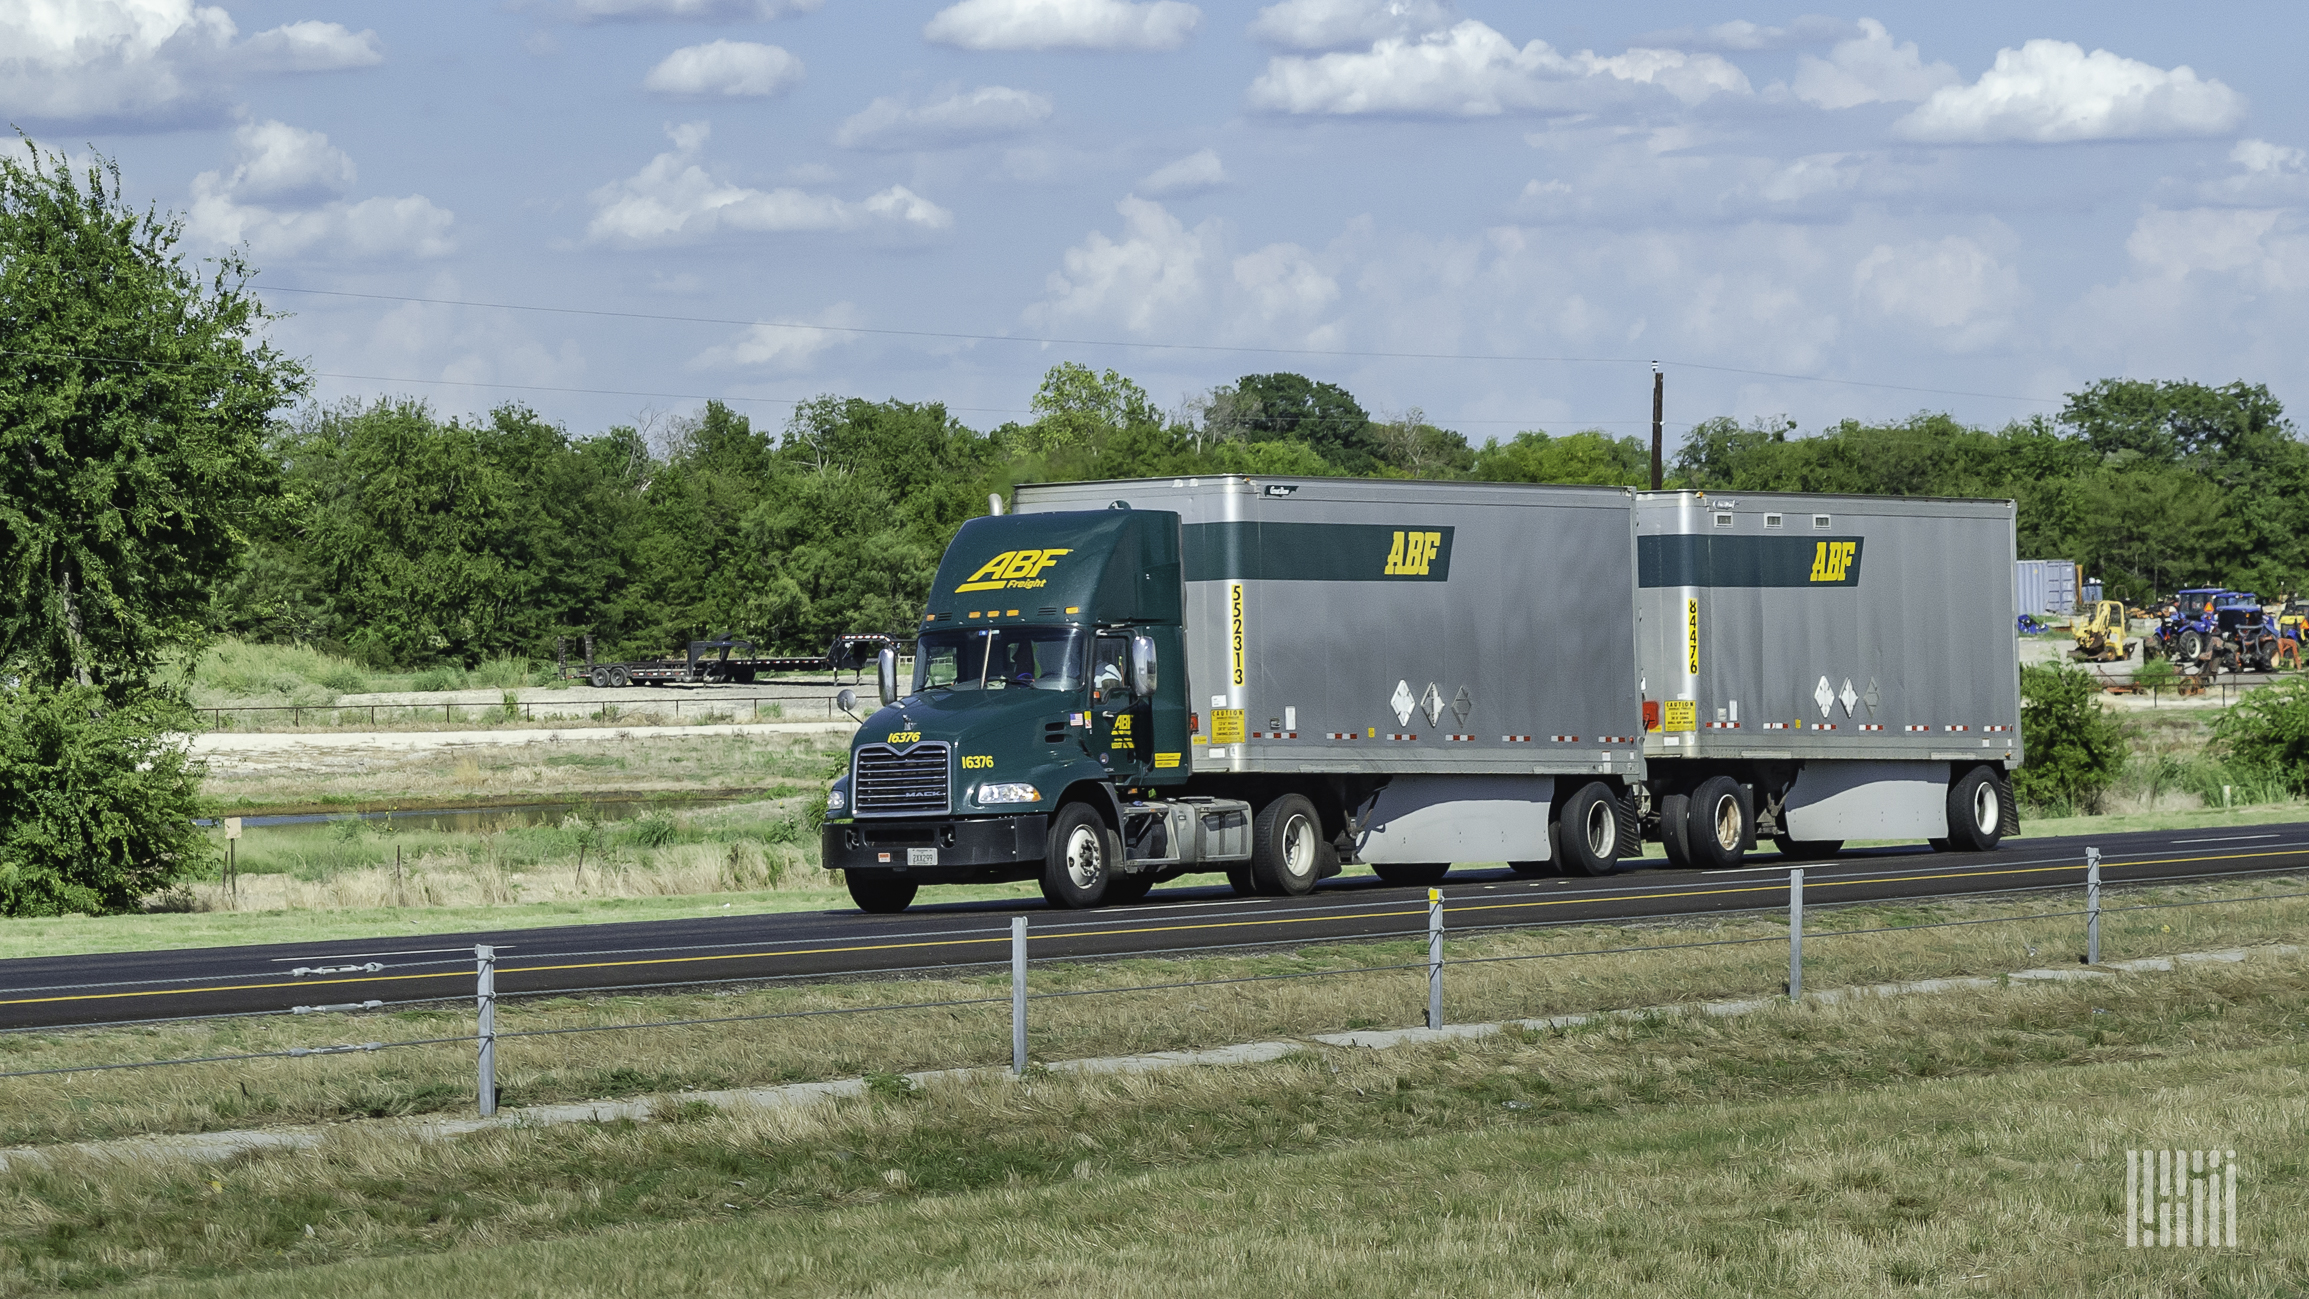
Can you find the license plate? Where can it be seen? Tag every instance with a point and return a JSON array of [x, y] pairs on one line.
[[921, 856]]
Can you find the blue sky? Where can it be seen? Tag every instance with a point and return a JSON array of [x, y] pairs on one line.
[[1809, 215]]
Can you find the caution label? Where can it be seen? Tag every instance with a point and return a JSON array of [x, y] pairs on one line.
[[1679, 715], [1227, 725]]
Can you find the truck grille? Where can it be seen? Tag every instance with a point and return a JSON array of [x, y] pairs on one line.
[[890, 782]]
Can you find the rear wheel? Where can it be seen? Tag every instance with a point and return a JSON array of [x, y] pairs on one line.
[[1675, 829], [1078, 866], [1978, 817], [620, 678], [1411, 872], [1719, 823], [1286, 847], [878, 895], [600, 678], [1807, 849], [1588, 831], [2192, 646]]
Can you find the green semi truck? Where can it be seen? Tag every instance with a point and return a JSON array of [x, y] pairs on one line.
[[1121, 683]]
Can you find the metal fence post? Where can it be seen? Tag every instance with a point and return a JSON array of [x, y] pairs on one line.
[[2092, 906], [1795, 933], [1018, 995], [1434, 958], [485, 994]]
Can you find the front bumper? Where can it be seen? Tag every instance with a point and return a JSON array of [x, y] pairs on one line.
[[945, 851]]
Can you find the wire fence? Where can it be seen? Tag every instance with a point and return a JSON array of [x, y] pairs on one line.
[[713, 709], [1020, 995]]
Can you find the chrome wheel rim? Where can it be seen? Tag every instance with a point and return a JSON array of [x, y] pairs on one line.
[[1083, 864], [1602, 830], [1728, 823], [1298, 848], [1985, 810]]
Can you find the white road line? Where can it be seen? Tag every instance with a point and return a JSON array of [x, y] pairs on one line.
[[2234, 838]]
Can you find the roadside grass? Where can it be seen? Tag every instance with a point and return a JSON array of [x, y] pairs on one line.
[[1578, 972], [1967, 1143], [237, 672]]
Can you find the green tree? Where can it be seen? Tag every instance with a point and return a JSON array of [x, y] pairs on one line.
[[1322, 415], [1589, 457], [96, 802], [2074, 748], [134, 401], [2267, 733]]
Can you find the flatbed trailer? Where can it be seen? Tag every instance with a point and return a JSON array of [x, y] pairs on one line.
[[722, 660]]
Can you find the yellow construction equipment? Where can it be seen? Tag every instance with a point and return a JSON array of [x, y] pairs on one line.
[[2100, 634]]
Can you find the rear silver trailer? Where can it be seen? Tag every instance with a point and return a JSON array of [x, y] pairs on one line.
[[1846, 660]]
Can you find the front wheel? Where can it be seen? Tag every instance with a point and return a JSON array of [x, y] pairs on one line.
[[1588, 831], [880, 896], [1979, 811], [1078, 865], [1287, 847]]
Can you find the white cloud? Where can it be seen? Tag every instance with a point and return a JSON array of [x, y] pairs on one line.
[[784, 346], [731, 69], [1193, 174], [675, 199], [2262, 156], [1869, 69], [310, 47], [282, 200], [1149, 276], [722, 11], [2052, 92], [1335, 24], [1283, 281], [1063, 25], [2173, 244], [1473, 71], [1741, 35], [966, 117], [1950, 284], [151, 63], [286, 164]]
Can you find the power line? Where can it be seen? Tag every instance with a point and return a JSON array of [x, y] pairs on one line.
[[1223, 348]]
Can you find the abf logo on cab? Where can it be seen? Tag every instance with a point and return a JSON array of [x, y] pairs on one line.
[[1021, 569]]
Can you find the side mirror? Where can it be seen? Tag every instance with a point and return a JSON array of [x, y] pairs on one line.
[[886, 675], [1142, 666], [847, 701]]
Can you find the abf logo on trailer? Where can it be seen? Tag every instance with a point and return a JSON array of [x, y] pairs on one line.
[[1412, 553], [1836, 561], [1012, 569]]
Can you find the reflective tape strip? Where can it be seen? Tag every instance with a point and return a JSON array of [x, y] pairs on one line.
[[1996, 728], [1402, 737], [1460, 738], [1343, 735], [1618, 739], [1870, 726], [1914, 729], [1277, 735], [1565, 739], [1515, 739], [1827, 726], [1959, 728], [1723, 726], [1775, 726]]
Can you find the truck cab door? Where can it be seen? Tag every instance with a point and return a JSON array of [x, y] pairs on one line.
[[1121, 724]]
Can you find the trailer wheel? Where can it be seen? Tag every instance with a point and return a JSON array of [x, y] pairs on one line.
[[600, 678], [1411, 872], [1675, 829], [1078, 867], [620, 678], [880, 896], [1286, 847], [1807, 849], [1719, 823], [1977, 816], [1587, 831]]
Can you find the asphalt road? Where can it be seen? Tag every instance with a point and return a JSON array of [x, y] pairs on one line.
[[66, 990]]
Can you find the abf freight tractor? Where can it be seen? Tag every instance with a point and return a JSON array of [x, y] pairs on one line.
[[1121, 683]]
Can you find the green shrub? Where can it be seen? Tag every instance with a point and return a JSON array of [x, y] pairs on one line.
[[653, 831], [96, 805], [504, 673], [344, 678], [438, 679], [2074, 748], [2266, 733]]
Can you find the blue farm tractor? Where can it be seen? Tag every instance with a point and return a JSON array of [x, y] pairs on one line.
[[2214, 630]]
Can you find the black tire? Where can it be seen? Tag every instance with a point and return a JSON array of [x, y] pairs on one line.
[[1587, 831], [1675, 827], [1532, 869], [1807, 849], [881, 895], [1239, 878], [1938, 845], [1287, 847], [1411, 872], [1078, 865], [1129, 888], [1978, 811], [1720, 823], [2192, 647], [620, 678], [600, 678]]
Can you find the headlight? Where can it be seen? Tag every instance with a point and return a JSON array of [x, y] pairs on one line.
[[836, 800], [1008, 794]]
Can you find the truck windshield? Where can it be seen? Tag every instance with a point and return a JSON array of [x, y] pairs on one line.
[[999, 658]]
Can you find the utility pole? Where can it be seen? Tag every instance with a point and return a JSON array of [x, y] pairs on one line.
[[1659, 406]]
